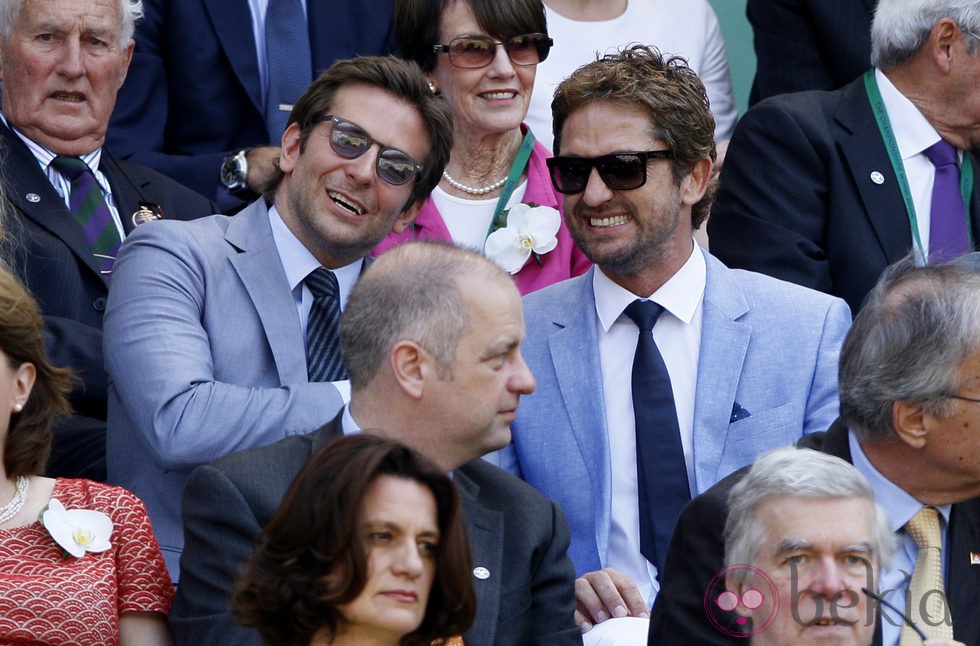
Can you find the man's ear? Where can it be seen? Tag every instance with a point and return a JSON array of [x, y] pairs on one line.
[[405, 217], [941, 41], [289, 155], [696, 183], [409, 365], [909, 421]]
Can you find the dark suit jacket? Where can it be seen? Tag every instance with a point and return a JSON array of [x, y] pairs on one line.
[[515, 533], [193, 95], [797, 200], [50, 255], [808, 44], [697, 551]]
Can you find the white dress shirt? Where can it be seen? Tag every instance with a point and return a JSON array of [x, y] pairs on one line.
[[678, 337]]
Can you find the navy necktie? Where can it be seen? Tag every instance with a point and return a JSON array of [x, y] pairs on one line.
[[87, 204], [323, 361], [948, 235], [287, 53], [661, 470]]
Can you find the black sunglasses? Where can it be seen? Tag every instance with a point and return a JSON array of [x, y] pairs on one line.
[[350, 141], [471, 52], [619, 171]]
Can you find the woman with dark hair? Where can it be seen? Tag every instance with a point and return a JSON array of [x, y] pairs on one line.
[[79, 563], [495, 195], [367, 547]]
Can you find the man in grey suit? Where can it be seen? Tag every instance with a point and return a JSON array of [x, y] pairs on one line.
[[210, 322], [431, 337], [624, 426]]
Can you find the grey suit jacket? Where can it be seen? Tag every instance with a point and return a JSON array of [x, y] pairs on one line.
[[515, 533], [768, 349], [207, 357]]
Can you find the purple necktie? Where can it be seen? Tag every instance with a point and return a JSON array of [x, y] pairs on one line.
[[948, 236], [87, 203]]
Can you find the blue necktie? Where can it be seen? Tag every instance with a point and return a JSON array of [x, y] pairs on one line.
[[661, 471], [287, 53], [323, 361], [87, 203]]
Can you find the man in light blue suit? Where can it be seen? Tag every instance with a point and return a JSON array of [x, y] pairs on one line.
[[209, 326], [746, 362]]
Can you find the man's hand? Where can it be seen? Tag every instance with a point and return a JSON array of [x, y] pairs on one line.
[[263, 162], [604, 594]]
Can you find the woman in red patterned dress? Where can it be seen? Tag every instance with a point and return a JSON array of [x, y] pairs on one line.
[[79, 563]]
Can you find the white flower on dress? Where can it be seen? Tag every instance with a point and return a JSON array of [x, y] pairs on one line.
[[529, 229], [77, 530]]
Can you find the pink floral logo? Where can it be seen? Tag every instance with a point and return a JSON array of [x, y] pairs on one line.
[[720, 604]]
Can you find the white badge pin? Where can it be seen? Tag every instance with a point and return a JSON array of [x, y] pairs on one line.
[[877, 177], [33, 197], [481, 573], [974, 558]]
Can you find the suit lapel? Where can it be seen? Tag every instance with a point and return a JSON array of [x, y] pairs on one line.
[[232, 22], [964, 577], [486, 533], [866, 155], [32, 194], [724, 342], [574, 347], [260, 270]]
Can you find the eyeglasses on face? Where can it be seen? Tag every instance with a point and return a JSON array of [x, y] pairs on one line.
[[620, 171], [350, 141], [471, 52]]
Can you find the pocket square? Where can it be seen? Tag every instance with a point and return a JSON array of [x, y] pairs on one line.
[[738, 413]]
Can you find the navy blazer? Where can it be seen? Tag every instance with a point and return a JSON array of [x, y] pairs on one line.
[[50, 255], [697, 552], [808, 44], [518, 535], [797, 200], [193, 95]]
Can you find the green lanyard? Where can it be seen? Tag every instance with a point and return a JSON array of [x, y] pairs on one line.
[[516, 170], [891, 145]]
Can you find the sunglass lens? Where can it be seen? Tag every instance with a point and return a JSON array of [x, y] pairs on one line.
[[570, 175], [349, 141], [622, 172], [395, 167], [471, 52], [529, 49]]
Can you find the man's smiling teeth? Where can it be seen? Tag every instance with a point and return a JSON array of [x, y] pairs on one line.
[[610, 221], [345, 203]]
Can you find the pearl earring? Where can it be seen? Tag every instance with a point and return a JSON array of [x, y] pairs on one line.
[[432, 87], [18, 407]]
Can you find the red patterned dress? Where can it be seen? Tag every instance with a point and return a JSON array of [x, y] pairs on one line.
[[47, 598]]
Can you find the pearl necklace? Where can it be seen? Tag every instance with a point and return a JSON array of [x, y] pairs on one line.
[[16, 503], [482, 190]]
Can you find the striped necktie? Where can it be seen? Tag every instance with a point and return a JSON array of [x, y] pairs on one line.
[[87, 203], [323, 361]]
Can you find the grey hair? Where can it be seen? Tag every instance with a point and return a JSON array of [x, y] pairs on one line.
[[907, 344], [411, 292], [130, 10], [801, 473], [901, 27]]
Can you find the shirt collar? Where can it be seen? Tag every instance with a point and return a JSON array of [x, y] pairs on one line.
[[44, 156], [898, 504], [298, 262], [680, 295], [913, 132]]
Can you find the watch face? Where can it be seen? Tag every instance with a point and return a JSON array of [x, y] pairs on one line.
[[233, 171]]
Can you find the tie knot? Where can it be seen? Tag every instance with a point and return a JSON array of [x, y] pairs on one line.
[[322, 282], [644, 313], [941, 153], [70, 167], [924, 528]]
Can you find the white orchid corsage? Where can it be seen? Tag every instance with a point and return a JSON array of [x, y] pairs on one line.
[[526, 229], [77, 530]]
